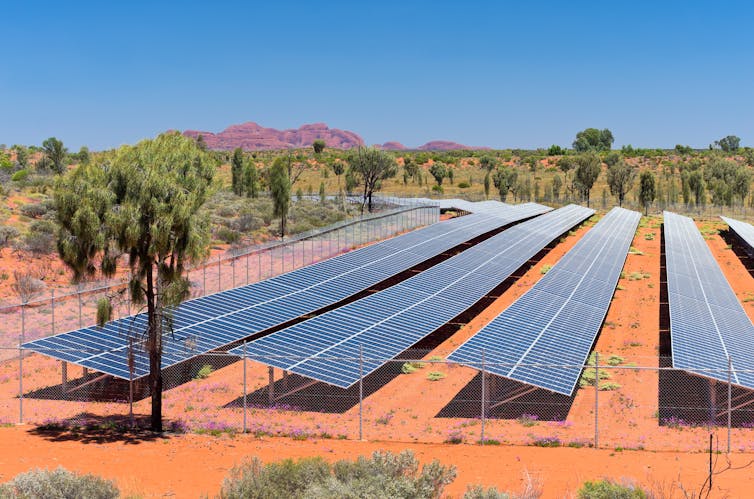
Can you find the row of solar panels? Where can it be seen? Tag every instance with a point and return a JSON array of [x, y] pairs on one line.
[[556, 322], [210, 322], [708, 325], [328, 347]]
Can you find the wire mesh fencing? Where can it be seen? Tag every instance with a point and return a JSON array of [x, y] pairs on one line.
[[56, 312], [420, 397]]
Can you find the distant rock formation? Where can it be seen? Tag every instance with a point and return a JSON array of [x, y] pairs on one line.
[[253, 137]]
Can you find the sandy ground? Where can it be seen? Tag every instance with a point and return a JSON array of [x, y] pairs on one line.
[[192, 465]]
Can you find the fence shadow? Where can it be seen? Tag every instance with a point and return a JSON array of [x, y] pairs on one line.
[[87, 428], [88, 388]]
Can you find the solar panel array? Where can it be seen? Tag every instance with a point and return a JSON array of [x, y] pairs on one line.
[[204, 324], [743, 230], [707, 322], [555, 323], [326, 348]]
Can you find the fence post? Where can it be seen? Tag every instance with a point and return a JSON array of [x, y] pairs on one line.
[[596, 400], [484, 399], [81, 322], [247, 268], [233, 272], [52, 301], [21, 366], [259, 266], [204, 280], [361, 392], [730, 369], [244, 386], [219, 276], [131, 363]]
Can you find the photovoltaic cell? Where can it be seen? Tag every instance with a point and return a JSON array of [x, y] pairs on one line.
[[555, 323]]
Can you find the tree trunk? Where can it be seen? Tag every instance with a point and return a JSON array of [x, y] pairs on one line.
[[154, 347]]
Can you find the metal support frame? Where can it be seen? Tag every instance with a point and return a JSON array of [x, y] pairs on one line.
[[64, 377], [93, 380], [522, 391]]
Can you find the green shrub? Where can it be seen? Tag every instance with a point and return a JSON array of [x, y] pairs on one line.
[[545, 269], [608, 489], [479, 492], [34, 210], [435, 375], [20, 176], [438, 189], [409, 367], [382, 475], [464, 185], [58, 484], [227, 235], [204, 372]]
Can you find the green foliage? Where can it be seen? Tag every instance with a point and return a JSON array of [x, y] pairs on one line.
[[280, 189], [250, 180], [545, 269], [557, 184], [104, 311], [613, 158], [681, 149], [20, 176], [620, 178], [439, 171], [7, 235], [479, 492], [204, 372], [464, 185], [236, 171], [146, 203], [322, 195], [371, 166], [435, 375], [555, 150], [505, 179], [488, 163], [608, 489], [410, 367], [318, 146], [55, 153], [592, 139], [487, 185], [39, 239], [647, 190], [382, 475], [58, 484], [731, 143], [588, 167]]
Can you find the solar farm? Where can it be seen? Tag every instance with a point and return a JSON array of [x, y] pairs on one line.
[[510, 323]]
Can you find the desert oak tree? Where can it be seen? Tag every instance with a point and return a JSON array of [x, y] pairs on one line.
[[144, 203]]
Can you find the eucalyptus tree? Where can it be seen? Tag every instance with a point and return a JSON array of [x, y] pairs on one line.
[[647, 190], [620, 178], [145, 203], [54, 154], [280, 190], [372, 166], [588, 167]]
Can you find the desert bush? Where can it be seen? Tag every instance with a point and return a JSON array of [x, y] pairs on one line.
[[608, 489], [58, 484], [204, 372], [40, 239], [26, 286], [7, 235], [464, 185], [384, 474], [435, 375], [34, 210], [20, 175], [479, 492], [104, 310], [227, 235]]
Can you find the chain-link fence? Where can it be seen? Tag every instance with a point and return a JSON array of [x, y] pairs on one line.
[[58, 312], [419, 397]]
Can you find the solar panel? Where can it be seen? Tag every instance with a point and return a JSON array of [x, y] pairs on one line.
[[707, 322], [204, 324], [326, 348], [744, 231], [557, 320]]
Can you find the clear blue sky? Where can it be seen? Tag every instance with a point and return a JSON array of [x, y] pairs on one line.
[[502, 74]]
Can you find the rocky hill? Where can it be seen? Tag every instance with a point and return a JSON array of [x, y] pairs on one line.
[[254, 137]]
